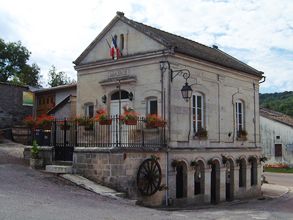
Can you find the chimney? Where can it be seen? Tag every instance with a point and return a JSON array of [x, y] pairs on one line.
[[215, 47], [119, 13]]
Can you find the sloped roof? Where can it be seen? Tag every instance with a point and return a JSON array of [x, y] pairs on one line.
[[184, 46], [60, 105], [276, 116], [68, 86]]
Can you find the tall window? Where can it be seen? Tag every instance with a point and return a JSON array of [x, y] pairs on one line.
[[121, 42], [197, 112], [239, 111], [89, 110], [152, 106]]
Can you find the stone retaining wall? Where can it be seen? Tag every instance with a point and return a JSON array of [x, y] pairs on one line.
[[118, 169]]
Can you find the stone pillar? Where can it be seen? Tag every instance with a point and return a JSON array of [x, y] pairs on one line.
[[223, 183], [248, 176], [236, 181], [207, 183], [190, 183], [172, 183], [259, 174]]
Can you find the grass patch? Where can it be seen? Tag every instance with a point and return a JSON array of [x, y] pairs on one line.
[[278, 170]]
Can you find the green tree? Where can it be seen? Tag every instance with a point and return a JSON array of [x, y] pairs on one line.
[[14, 66], [58, 78]]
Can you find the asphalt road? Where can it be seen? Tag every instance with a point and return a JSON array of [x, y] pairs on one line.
[[34, 195], [283, 179]]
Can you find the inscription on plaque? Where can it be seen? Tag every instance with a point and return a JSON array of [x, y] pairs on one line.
[[118, 73]]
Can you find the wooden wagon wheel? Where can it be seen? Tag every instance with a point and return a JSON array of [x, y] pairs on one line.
[[149, 177]]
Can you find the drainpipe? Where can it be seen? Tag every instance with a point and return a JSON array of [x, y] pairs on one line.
[[254, 100], [234, 129], [219, 109], [163, 112]]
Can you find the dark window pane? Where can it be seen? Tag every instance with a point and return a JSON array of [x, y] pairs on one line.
[[199, 101], [91, 111], [115, 96], [239, 107], [153, 107]]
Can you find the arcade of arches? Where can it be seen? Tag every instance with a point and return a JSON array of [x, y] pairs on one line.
[[216, 179]]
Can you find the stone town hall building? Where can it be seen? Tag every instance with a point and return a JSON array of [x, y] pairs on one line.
[[148, 68]]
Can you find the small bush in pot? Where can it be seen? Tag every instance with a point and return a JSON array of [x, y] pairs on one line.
[[35, 161]]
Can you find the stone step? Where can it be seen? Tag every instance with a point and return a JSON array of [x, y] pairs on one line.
[[59, 169], [62, 163]]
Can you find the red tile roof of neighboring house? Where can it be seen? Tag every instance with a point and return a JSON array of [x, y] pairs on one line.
[[276, 116]]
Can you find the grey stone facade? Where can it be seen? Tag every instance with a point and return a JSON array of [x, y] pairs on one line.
[[224, 102], [12, 111]]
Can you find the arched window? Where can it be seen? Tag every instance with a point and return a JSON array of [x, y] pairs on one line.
[[124, 95], [242, 173], [197, 112], [239, 116], [121, 42]]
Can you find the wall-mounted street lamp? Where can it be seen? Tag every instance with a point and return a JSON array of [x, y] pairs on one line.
[[186, 90], [104, 99], [130, 96]]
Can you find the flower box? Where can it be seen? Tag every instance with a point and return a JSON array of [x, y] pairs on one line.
[[154, 121], [130, 122], [105, 122]]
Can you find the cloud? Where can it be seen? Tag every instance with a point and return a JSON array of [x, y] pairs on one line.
[[258, 32]]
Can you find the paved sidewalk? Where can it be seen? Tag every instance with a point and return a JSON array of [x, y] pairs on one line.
[[274, 191]]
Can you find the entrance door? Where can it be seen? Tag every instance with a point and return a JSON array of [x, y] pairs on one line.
[[119, 132], [179, 181]]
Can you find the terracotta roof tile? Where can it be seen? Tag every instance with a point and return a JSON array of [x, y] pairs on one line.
[[276, 116]]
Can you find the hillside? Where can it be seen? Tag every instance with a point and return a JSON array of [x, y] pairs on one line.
[[281, 102]]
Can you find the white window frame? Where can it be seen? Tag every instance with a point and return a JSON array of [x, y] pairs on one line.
[[86, 106], [149, 105], [195, 110], [239, 113]]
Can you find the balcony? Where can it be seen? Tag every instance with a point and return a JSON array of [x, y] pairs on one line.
[[91, 133]]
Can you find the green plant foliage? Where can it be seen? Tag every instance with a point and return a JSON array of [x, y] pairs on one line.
[[280, 102], [14, 67], [35, 150], [58, 78]]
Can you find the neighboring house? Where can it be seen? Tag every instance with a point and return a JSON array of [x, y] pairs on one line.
[[133, 64], [59, 101], [276, 136], [12, 106]]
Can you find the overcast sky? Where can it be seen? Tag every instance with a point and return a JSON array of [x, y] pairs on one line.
[[258, 32]]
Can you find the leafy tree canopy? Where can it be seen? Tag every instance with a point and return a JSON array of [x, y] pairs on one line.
[[14, 67], [281, 102], [58, 78]]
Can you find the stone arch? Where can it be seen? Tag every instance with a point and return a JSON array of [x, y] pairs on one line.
[[202, 160], [199, 177], [181, 179], [253, 170], [242, 162], [114, 95], [215, 164], [230, 178]]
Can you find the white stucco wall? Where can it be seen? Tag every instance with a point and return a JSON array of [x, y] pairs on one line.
[[62, 94], [134, 42], [220, 86], [269, 131]]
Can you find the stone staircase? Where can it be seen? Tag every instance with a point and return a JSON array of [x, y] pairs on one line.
[[60, 167]]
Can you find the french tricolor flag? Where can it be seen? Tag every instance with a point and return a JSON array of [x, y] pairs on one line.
[[114, 50]]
